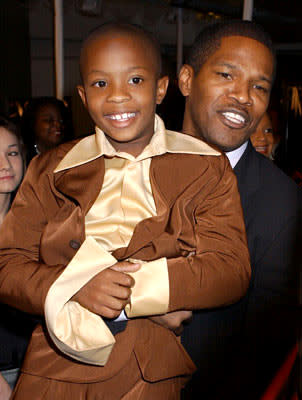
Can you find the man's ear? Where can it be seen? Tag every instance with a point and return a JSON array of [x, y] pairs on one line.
[[185, 79], [82, 94], [161, 90]]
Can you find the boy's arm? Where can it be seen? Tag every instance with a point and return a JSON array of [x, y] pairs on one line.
[[25, 282], [218, 273]]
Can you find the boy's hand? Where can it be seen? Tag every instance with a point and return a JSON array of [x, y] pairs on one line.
[[173, 321], [109, 291]]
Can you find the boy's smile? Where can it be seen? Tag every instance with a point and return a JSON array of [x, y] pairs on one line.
[[121, 88]]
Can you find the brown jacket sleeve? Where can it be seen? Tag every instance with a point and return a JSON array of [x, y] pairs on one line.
[[219, 273], [24, 280]]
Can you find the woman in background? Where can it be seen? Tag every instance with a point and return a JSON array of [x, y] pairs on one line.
[[46, 123], [15, 327], [264, 139]]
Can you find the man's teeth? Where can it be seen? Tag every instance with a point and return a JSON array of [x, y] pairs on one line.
[[236, 118], [121, 117]]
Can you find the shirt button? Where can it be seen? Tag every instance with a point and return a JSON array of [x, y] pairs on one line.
[[74, 244]]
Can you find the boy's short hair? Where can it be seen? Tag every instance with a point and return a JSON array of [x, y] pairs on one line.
[[209, 39], [132, 29]]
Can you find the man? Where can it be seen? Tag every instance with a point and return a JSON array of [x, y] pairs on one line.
[[227, 83]]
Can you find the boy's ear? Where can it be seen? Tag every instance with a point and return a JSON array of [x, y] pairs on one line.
[[185, 79], [82, 94], [162, 86]]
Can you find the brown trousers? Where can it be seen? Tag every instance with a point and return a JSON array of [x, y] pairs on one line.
[[128, 384]]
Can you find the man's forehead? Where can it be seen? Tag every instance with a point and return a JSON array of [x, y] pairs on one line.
[[236, 50]]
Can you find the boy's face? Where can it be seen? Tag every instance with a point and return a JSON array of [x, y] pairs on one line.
[[121, 89]]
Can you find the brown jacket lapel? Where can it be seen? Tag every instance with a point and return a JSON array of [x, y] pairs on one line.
[[82, 183]]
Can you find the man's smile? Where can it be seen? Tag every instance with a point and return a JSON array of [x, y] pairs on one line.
[[233, 118]]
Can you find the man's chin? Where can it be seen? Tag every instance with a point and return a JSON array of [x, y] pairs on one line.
[[227, 146]]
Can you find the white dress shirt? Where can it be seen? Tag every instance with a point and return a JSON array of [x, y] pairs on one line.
[[235, 155]]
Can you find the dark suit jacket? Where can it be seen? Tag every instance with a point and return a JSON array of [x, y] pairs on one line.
[[199, 218], [238, 349]]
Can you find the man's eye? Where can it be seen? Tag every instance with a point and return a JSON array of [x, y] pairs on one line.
[[135, 80], [261, 88], [100, 84], [13, 153], [268, 130]]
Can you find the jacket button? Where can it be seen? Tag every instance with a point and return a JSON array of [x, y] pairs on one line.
[[74, 244]]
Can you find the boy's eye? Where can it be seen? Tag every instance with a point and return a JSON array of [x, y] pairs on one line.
[[100, 84], [225, 75], [135, 80]]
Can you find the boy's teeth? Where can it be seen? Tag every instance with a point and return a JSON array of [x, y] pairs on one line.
[[236, 118], [122, 116]]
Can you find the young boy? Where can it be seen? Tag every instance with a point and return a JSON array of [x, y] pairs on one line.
[[134, 217]]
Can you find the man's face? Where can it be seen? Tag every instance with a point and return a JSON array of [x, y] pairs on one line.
[[227, 98], [121, 89]]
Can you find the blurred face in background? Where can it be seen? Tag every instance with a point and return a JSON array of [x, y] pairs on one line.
[[11, 162], [263, 139], [49, 129]]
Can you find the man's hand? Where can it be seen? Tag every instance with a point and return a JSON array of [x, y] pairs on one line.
[[109, 291], [5, 390], [173, 321]]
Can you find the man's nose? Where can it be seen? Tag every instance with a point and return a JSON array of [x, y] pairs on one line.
[[241, 92]]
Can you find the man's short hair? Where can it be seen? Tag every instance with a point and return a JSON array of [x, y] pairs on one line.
[[209, 39]]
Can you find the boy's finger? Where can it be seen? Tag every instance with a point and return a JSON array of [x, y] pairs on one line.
[[125, 266], [120, 292]]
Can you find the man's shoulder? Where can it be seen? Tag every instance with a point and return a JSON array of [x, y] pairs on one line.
[[266, 174], [267, 193]]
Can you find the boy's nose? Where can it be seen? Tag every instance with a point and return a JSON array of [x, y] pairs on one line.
[[118, 94]]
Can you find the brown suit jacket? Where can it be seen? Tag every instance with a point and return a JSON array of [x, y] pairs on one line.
[[198, 210]]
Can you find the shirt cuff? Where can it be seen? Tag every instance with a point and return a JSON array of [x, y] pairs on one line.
[[150, 294], [75, 330]]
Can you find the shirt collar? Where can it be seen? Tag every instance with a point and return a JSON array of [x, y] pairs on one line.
[[163, 141], [235, 155]]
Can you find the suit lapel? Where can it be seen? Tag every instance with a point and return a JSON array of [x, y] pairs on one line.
[[246, 172], [83, 183]]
